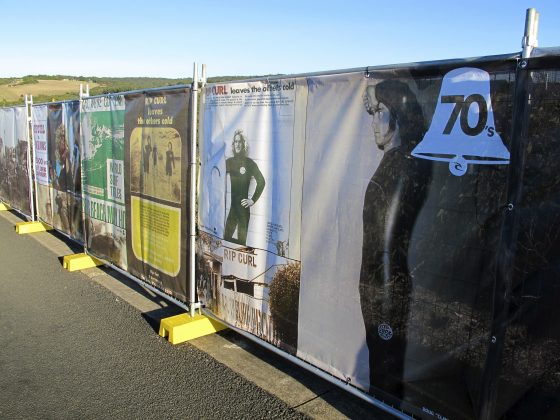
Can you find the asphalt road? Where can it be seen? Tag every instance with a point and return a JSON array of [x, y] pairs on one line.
[[69, 348]]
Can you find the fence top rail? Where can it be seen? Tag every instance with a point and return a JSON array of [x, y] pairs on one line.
[[543, 52], [12, 107], [403, 66], [65, 101], [137, 91]]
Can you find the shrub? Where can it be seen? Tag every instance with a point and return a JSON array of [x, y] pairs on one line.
[[284, 305]]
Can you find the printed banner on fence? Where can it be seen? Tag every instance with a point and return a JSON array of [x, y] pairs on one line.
[[103, 143], [339, 155], [526, 379], [14, 168], [417, 165], [57, 127], [250, 196], [157, 133], [39, 122]]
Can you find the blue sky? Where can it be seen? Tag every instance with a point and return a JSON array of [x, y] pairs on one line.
[[164, 38]]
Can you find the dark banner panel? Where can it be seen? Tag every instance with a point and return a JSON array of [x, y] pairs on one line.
[[136, 151], [157, 150], [56, 137], [420, 179], [14, 151]]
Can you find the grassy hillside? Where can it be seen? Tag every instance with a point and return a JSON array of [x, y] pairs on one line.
[[47, 88], [13, 93]]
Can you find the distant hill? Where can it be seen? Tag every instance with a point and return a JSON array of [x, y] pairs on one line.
[[46, 88]]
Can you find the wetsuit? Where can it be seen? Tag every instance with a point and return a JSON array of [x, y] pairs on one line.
[[147, 152], [169, 162], [241, 169]]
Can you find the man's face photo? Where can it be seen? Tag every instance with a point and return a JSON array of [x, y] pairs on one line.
[[238, 144], [382, 133]]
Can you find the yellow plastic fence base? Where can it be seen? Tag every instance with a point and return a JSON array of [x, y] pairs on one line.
[[4, 207], [77, 262], [31, 227], [181, 328]]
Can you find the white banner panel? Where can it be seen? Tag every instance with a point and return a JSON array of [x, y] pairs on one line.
[[250, 200], [340, 157], [39, 123]]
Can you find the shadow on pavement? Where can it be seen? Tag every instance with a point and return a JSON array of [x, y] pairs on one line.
[[153, 318]]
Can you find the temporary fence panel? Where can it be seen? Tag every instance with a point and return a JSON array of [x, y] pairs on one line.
[[14, 155], [135, 153], [357, 220], [250, 204], [57, 154], [102, 140], [405, 174], [157, 143]]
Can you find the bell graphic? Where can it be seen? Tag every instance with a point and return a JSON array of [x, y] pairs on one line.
[[462, 129]]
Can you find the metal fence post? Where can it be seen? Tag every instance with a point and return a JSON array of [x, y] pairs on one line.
[[30, 155], [531, 32], [193, 304]]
